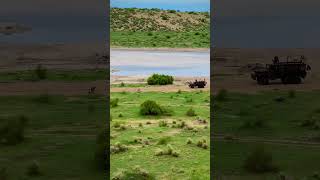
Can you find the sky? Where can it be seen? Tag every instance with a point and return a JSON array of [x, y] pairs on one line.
[[182, 5]]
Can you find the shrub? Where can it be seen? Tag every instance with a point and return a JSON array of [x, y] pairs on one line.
[[120, 115], [12, 130], [260, 161], [122, 84], [189, 141], [118, 148], [40, 72], [222, 95], [169, 151], [202, 144], [172, 11], [292, 94], [164, 140], [163, 124], [160, 79], [150, 108], [33, 169], [114, 102], [134, 173], [191, 112]]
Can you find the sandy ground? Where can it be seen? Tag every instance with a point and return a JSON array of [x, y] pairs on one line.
[[231, 69], [52, 56]]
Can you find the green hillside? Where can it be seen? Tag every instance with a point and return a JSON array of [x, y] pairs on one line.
[[133, 27]]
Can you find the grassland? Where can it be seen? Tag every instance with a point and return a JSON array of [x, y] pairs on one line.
[[144, 136], [133, 27], [286, 123], [55, 75], [60, 136]]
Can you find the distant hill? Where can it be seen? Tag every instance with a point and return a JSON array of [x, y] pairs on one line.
[[134, 19], [133, 27]]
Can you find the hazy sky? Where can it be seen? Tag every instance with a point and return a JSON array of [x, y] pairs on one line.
[[267, 7], [182, 5]]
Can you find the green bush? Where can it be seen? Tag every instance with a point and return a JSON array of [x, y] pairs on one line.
[[134, 173], [114, 102], [260, 161], [40, 72], [191, 112], [160, 79], [33, 169], [151, 108], [12, 130], [221, 95]]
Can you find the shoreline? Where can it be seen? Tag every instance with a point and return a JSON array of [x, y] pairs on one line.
[[164, 49]]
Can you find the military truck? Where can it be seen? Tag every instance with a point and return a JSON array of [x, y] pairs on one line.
[[198, 84], [291, 71]]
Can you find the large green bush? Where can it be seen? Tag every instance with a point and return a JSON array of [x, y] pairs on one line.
[[260, 161], [12, 130], [160, 79], [151, 108]]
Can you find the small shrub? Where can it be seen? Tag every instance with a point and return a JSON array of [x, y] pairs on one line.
[[222, 95], [292, 94], [140, 125], [116, 124], [189, 141], [150, 108], [114, 102], [148, 122], [169, 151], [164, 140], [189, 100], [179, 91], [163, 123], [150, 34], [134, 173], [160, 79], [172, 11], [202, 144], [260, 161], [118, 148], [191, 112], [33, 169], [40, 72], [12, 130], [122, 84], [120, 115]]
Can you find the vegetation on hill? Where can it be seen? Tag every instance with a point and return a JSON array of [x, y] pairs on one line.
[[134, 27]]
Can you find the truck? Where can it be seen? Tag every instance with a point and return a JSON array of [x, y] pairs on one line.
[[291, 71]]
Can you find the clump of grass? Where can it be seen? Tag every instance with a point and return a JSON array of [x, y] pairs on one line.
[[140, 125], [148, 122], [40, 72], [116, 124], [164, 140], [222, 95], [201, 121], [189, 141], [160, 79], [114, 102], [169, 151], [120, 115], [12, 130], [191, 112], [122, 84], [134, 173], [180, 125], [33, 169], [202, 143], [118, 148], [163, 123], [279, 99], [179, 91], [260, 161], [292, 94], [189, 100]]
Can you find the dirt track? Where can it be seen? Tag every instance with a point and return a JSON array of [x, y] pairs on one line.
[[231, 72]]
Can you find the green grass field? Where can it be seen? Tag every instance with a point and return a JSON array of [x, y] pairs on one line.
[[55, 75], [145, 135], [60, 136], [285, 122]]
